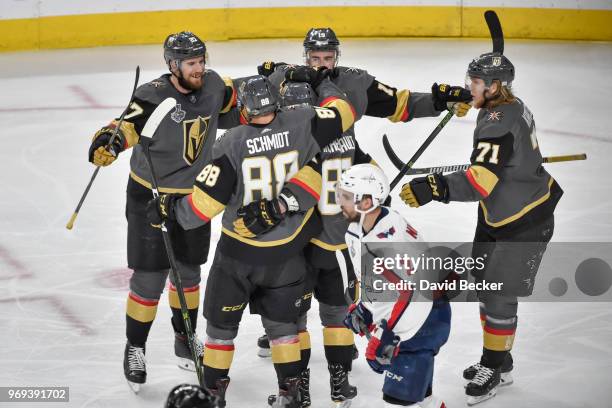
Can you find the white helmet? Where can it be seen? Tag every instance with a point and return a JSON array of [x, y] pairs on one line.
[[365, 179]]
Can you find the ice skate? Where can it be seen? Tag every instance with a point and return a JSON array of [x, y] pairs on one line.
[[134, 366], [183, 352], [342, 392], [288, 396], [506, 372], [219, 391], [304, 388], [483, 386]]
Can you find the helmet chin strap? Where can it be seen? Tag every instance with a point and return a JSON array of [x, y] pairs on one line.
[[362, 217]]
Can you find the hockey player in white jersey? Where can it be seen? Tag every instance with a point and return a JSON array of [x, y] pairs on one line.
[[404, 334]]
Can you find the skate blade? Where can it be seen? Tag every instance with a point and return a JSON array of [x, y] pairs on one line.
[[473, 400], [135, 387], [341, 404], [185, 364], [505, 379], [264, 352]]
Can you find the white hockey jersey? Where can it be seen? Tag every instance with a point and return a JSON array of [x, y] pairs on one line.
[[407, 313]]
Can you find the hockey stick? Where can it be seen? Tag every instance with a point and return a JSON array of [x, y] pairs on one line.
[[398, 163], [145, 141], [344, 273], [419, 152], [110, 142], [495, 29], [460, 167]]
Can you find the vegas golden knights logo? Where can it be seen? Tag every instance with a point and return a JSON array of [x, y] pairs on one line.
[[195, 132]]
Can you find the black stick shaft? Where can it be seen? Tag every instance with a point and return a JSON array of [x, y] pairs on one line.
[[145, 142], [110, 142], [421, 149]]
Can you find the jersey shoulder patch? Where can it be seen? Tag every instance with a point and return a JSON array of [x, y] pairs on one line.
[[156, 90]]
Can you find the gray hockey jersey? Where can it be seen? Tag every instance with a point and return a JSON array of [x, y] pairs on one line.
[[506, 173], [251, 162], [183, 142]]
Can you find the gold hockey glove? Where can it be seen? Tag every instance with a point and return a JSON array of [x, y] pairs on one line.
[[100, 152], [421, 190]]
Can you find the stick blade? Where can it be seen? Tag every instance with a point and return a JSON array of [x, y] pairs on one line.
[[397, 162], [495, 29], [157, 116]]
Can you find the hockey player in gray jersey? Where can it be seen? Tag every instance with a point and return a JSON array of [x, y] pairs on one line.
[[324, 280], [366, 94], [515, 217], [368, 97], [265, 179], [182, 144]]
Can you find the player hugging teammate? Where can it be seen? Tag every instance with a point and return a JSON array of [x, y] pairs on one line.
[[182, 145], [368, 97]]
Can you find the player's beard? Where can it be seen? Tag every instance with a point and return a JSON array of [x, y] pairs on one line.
[[191, 83], [354, 217]]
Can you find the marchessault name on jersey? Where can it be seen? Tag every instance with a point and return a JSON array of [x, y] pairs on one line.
[[341, 145]]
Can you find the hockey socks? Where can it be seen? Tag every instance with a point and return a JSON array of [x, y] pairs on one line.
[[498, 338], [139, 315], [192, 297], [218, 356], [304, 337], [286, 356], [338, 343]]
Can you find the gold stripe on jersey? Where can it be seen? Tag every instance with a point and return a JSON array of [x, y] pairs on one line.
[[205, 204], [337, 336], [484, 177], [401, 108], [192, 297], [326, 246], [347, 114], [285, 352], [309, 179], [519, 214], [270, 243], [129, 132], [166, 190], [228, 82]]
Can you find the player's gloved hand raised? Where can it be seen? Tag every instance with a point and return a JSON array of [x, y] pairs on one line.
[[421, 190], [453, 98], [161, 209], [100, 153], [358, 319], [267, 68], [381, 350], [314, 76]]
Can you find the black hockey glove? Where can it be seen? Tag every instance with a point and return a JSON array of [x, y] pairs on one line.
[[100, 153], [258, 217], [268, 67], [314, 76], [261, 216], [161, 209], [453, 98], [422, 190]]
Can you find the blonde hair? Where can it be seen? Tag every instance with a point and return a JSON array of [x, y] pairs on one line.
[[503, 95]]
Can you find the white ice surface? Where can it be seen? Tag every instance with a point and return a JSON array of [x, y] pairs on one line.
[[62, 293]]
